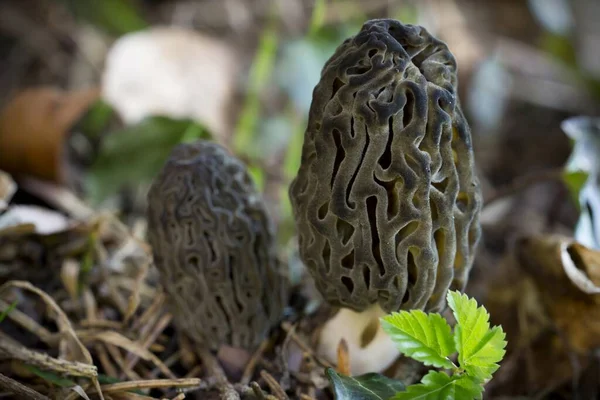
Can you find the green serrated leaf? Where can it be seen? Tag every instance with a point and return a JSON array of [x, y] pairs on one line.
[[479, 347], [423, 337], [439, 386], [370, 386]]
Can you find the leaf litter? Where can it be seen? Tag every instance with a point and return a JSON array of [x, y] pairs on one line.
[[98, 326]]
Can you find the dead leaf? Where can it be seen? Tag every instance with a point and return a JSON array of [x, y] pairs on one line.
[[566, 275], [33, 129]]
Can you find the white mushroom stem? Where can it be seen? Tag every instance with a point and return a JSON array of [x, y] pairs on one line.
[[369, 347]]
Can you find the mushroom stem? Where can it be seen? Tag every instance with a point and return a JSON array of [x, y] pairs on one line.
[[369, 347]]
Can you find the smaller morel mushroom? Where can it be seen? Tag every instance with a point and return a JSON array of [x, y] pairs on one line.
[[213, 245], [386, 200]]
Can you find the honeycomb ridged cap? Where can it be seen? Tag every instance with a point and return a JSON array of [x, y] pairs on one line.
[[214, 248], [386, 200]]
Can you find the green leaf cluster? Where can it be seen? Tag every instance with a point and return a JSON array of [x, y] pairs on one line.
[[428, 338]]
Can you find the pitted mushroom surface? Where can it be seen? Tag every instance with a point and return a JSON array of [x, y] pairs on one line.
[[386, 200], [213, 244]]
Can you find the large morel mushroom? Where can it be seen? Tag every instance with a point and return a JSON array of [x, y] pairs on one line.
[[213, 245], [386, 200]]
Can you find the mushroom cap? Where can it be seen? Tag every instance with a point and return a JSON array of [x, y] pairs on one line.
[[213, 245], [386, 199]]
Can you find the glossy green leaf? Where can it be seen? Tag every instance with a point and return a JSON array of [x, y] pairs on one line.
[[479, 347], [423, 337], [370, 386], [439, 386]]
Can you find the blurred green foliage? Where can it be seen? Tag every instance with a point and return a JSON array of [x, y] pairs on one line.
[[258, 79], [290, 66], [96, 120], [135, 154], [116, 17]]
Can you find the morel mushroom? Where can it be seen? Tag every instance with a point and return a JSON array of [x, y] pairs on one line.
[[213, 245], [386, 200]]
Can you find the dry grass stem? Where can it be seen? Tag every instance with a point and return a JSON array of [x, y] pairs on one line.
[[117, 339], [160, 326], [273, 385], [73, 344], [134, 298], [44, 361], [27, 322], [290, 330], [189, 383], [20, 390], [116, 355], [250, 367]]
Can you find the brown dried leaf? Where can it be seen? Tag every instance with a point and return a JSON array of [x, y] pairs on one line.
[[566, 275], [33, 129]]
